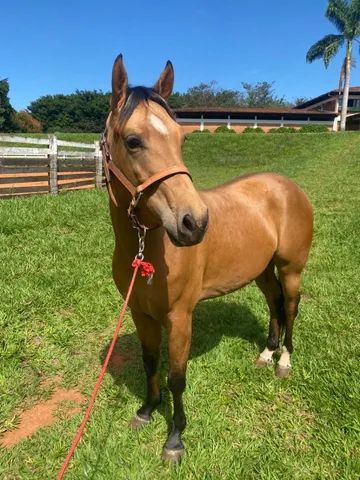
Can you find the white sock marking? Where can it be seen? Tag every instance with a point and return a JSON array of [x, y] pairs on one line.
[[285, 358], [158, 124], [267, 355]]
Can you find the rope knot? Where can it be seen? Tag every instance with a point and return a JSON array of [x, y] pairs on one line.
[[147, 269]]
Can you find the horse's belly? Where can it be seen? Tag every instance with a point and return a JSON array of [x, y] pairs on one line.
[[227, 278], [234, 263]]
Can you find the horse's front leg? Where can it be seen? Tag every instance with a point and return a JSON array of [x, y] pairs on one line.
[[149, 332], [179, 326]]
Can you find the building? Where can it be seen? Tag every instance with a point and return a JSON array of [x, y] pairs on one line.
[[332, 101], [322, 110], [240, 118]]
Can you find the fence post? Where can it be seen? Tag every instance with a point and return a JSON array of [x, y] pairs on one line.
[[99, 165], [53, 165]]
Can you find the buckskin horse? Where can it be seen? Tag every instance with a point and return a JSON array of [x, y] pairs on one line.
[[202, 243]]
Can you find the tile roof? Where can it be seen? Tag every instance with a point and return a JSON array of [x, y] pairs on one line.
[[323, 96], [228, 110]]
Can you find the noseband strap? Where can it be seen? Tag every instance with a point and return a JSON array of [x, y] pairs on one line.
[[135, 191]]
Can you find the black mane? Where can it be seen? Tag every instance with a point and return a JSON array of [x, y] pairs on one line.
[[137, 95]]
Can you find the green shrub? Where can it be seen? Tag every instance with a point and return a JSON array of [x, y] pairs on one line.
[[283, 130], [253, 130], [224, 129], [314, 128], [199, 131]]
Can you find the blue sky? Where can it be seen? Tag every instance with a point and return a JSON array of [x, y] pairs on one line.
[[51, 47]]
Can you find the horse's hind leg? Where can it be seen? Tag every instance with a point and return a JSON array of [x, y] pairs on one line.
[[271, 288], [290, 281], [149, 332]]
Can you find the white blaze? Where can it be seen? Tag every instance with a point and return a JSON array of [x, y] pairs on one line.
[[158, 124]]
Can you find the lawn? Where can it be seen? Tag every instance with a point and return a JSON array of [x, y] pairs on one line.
[[58, 310]]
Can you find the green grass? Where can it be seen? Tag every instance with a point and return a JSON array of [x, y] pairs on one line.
[[59, 305]]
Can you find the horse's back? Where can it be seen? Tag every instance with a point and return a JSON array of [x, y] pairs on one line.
[[278, 198]]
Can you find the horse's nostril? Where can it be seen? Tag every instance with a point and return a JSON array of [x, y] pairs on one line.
[[189, 222]]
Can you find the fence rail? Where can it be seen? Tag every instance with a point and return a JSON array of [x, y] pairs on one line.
[[28, 170], [33, 141]]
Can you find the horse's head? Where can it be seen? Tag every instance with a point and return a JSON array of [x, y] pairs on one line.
[[144, 139]]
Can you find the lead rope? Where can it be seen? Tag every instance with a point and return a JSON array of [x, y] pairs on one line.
[[147, 270]]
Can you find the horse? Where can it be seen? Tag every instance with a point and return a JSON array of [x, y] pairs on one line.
[[203, 244]]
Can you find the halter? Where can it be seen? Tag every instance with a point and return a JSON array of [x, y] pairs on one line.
[[135, 191]]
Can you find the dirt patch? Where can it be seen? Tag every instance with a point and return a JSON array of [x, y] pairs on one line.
[[124, 352], [44, 414], [118, 360]]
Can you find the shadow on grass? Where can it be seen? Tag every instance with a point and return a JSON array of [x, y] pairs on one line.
[[211, 321]]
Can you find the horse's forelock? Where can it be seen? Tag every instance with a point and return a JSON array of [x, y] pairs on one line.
[[137, 95]]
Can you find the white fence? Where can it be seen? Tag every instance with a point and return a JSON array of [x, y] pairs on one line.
[[48, 165]]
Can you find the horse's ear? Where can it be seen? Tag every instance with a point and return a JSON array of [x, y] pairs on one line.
[[119, 84], [165, 83]]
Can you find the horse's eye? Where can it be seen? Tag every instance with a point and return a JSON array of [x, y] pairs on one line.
[[133, 142]]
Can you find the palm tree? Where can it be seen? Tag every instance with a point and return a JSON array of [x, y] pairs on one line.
[[345, 15]]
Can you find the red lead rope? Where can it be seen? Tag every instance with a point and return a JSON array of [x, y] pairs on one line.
[[147, 270]]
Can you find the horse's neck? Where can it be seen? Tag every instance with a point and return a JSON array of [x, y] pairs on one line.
[[126, 240]]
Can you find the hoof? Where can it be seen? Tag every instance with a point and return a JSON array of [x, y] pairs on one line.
[[282, 372], [138, 422], [173, 456], [263, 362]]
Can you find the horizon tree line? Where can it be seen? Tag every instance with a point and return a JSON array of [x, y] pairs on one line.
[[86, 111]]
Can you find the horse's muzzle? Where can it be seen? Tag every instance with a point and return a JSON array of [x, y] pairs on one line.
[[190, 230]]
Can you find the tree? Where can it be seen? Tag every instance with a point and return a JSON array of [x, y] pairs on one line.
[[206, 95], [7, 112], [176, 100], [300, 100], [261, 94], [82, 111], [345, 15]]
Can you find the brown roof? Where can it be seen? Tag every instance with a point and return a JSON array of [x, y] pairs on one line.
[[352, 90], [259, 110], [324, 96]]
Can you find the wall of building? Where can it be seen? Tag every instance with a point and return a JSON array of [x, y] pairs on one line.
[[353, 123], [189, 127], [333, 104], [326, 105], [239, 128]]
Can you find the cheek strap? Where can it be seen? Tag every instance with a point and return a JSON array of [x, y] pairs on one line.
[[110, 167]]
